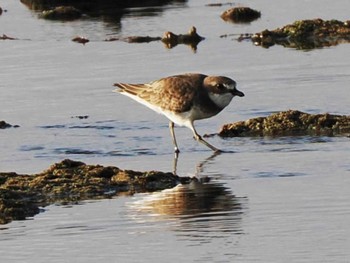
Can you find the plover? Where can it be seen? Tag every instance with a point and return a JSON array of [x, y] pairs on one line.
[[184, 99]]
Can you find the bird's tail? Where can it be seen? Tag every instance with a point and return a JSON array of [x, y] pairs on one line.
[[133, 89]]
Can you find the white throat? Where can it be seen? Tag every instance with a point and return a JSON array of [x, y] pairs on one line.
[[221, 100]]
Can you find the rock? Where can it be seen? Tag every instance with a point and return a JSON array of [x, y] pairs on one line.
[[81, 117], [61, 13], [4, 125], [5, 37], [134, 39], [240, 15], [81, 40], [141, 39], [169, 39], [68, 181], [17, 205], [192, 39], [110, 39], [218, 4], [290, 123], [0, 11], [306, 34], [105, 10]]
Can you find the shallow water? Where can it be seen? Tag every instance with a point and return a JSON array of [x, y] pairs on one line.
[[269, 199]]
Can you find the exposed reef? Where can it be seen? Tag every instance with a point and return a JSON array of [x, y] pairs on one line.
[[141, 39], [61, 13], [22, 195], [240, 15], [170, 39], [109, 10], [5, 37], [191, 38], [4, 125], [134, 39], [306, 34], [289, 123], [81, 40]]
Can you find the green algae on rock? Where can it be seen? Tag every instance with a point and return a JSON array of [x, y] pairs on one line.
[[306, 34], [290, 123], [71, 181], [61, 13]]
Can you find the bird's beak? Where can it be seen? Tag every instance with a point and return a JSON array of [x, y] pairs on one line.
[[238, 93]]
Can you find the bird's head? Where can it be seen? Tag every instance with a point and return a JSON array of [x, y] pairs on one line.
[[221, 90]]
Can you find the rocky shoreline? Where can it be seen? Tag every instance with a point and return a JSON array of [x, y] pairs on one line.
[[22, 195], [306, 34], [290, 123]]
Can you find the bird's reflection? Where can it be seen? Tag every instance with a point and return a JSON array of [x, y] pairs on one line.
[[199, 166], [201, 209]]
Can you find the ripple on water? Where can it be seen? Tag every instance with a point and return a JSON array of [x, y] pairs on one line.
[[273, 174], [76, 151], [29, 148]]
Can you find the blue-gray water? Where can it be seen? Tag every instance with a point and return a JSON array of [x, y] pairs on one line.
[[271, 200]]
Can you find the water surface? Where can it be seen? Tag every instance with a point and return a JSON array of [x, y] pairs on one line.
[[269, 199]]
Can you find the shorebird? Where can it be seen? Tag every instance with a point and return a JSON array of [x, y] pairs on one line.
[[184, 99]]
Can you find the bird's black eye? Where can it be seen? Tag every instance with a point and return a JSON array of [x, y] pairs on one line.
[[220, 86]]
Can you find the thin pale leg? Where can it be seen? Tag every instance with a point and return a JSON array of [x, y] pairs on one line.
[[176, 157], [201, 140], [171, 127]]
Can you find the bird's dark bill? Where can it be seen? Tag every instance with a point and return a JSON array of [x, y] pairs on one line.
[[238, 93]]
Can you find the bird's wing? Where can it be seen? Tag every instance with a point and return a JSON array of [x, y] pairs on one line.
[[172, 93]]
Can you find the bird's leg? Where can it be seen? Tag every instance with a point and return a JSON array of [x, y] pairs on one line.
[[171, 127], [176, 157], [201, 140]]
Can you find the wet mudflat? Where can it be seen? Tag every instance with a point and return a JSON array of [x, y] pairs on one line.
[[269, 199]]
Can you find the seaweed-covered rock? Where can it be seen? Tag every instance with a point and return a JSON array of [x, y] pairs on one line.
[[61, 13], [240, 15], [169, 39], [67, 181], [17, 205], [306, 34], [191, 38], [289, 123]]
